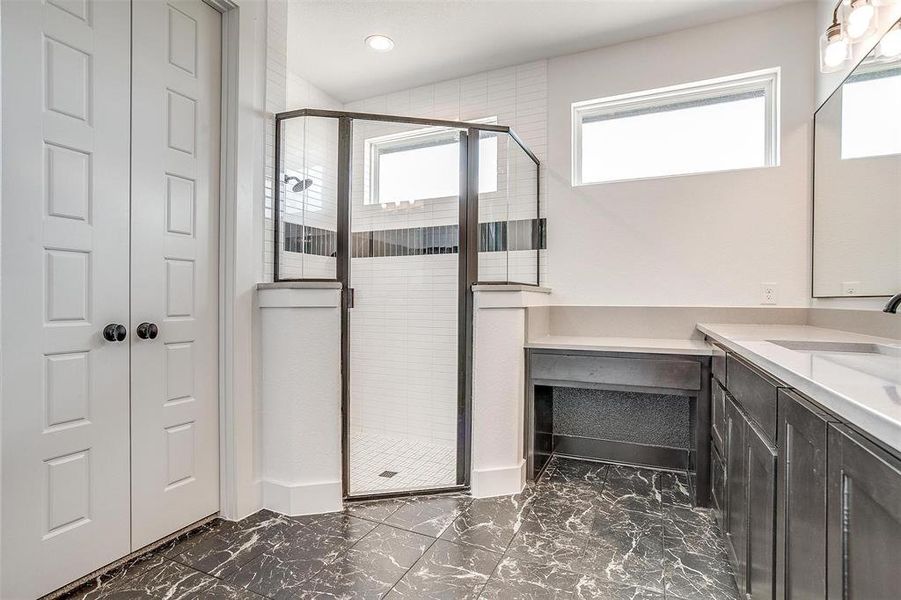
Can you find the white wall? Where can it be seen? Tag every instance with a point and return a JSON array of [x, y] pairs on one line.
[[262, 81], [708, 239], [243, 266], [301, 398]]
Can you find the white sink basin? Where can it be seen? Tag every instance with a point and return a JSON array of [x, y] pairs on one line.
[[839, 347], [879, 360]]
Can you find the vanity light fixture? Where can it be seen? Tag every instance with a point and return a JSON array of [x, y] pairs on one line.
[[857, 24], [835, 49], [860, 19], [890, 46], [380, 43]]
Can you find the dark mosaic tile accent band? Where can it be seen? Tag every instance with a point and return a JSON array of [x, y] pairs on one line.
[[497, 236], [310, 240]]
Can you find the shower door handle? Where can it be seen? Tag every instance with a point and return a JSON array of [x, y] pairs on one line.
[[350, 297]]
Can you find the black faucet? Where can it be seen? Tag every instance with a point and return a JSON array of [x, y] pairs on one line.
[[893, 304]]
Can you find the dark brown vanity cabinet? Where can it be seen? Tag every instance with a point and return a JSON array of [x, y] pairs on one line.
[[736, 517], [810, 507], [863, 518], [801, 503]]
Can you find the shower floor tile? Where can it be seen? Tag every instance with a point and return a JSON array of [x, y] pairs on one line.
[[379, 464]]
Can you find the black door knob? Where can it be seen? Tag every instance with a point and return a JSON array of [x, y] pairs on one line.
[[114, 332], [148, 331]]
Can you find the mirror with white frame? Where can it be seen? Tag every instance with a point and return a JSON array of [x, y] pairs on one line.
[[857, 179]]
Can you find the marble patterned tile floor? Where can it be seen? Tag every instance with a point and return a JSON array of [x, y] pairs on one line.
[[586, 530]]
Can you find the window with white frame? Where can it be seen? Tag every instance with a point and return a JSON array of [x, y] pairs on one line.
[[424, 165], [715, 125]]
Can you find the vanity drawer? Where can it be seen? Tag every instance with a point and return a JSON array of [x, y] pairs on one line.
[[754, 392], [559, 369], [717, 414], [718, 363]]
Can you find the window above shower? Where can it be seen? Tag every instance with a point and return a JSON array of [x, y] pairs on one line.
[[423, 164]]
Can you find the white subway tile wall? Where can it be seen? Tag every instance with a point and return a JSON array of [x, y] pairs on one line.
[[403, 341], [286, 90], [276, 100], [310, 148]]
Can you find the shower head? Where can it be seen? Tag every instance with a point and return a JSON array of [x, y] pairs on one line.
[[297, 184]]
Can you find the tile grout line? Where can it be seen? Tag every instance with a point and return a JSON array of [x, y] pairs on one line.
[[434, 541], [416, 562]]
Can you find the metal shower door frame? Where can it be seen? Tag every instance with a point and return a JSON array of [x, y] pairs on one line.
[[468, 267]]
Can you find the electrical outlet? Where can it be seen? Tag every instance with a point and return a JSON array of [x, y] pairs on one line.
[[768, 293], [850, 288]]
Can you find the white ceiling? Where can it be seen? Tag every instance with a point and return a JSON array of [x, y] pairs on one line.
[[440, 39]]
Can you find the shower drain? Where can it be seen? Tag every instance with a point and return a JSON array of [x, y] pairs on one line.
[[388, 474]]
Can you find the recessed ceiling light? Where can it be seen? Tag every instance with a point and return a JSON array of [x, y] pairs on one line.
[[380, 43]]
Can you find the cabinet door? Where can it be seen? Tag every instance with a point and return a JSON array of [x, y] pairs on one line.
[[718, 486], [761, 516], [801, 501], [736, 492], [864, 519]]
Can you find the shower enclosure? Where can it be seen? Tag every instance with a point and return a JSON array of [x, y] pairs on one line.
[[408, 214]]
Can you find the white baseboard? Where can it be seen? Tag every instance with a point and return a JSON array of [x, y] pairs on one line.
[[302, 498], [503, 481]]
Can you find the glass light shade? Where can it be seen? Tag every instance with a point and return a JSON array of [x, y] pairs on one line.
[[890, 46], [860, 20], [835, 50]]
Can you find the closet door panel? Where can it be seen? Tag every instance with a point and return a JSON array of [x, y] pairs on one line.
[[174, 266], [65, 239]]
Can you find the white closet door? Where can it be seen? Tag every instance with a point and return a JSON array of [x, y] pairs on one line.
[[174, 265], [65, 446]]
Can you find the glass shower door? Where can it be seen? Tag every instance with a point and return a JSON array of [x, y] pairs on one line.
[[404, 401]]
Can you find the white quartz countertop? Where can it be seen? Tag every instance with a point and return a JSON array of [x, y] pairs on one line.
[[621, 344], [862, 389]]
